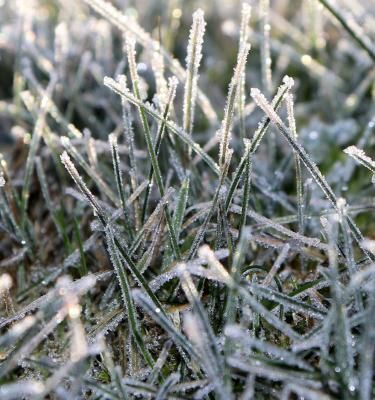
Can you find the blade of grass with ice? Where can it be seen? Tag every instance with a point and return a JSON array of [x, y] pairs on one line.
[[277, 264], [73, 152], [193, 59], [258, 135], [129, 140], [244, 37], [297, 161], [246, 186], [233, 93], [264, 8], [360, 156], [352, 28]]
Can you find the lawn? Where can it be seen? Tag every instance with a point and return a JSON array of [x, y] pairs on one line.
[[187, 199]]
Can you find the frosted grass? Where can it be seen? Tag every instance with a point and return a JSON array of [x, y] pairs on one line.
[[243, 39], [235, 278], [360, 156], [264, 7], [193, 59], [297, 161], [170, 125], [119, 183], [225, 130], [128, 25], [126, 296], [310, 165]]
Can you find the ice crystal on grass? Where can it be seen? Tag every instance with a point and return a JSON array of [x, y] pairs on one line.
[[360, 156], [65, 159], [244, 37], [297, 161]]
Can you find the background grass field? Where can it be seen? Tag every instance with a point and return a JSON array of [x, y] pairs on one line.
[[187, 199]]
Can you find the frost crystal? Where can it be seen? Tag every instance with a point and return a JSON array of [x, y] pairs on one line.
[[262, 102]]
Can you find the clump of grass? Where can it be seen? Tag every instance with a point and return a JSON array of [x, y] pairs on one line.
[[153, 243]]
